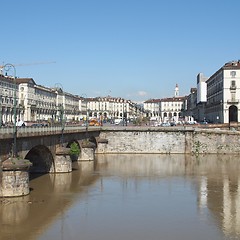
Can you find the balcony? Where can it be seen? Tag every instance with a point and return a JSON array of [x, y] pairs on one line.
[[233, 88], [233, 101]]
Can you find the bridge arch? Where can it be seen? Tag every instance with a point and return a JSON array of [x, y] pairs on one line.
[[92, 139], [41, 158]]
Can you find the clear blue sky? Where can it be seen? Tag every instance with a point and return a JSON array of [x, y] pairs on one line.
[[135, 49]]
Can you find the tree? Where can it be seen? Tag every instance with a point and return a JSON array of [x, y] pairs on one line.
[[74, 150]]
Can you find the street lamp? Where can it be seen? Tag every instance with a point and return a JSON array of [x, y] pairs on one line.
[[61, 110], [84, 96], [7, 67], [124, 114], [1, 122]]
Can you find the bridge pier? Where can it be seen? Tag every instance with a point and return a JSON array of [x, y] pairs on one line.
[[15, 178], [87, 151], [62, 161]]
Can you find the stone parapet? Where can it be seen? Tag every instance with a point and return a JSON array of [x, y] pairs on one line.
[[184, 140]]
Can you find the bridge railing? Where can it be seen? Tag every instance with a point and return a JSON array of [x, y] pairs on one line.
[[7, 132], [51, 129]]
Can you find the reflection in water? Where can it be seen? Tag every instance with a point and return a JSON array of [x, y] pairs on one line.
[[131, 197]]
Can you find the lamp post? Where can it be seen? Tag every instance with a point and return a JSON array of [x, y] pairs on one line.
[[1, 122], [59, 86], [84, 97], [7, 67], [123, 114], [85, 100], [62, 122]]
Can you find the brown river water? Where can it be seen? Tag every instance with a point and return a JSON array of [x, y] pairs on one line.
[[130, 197]]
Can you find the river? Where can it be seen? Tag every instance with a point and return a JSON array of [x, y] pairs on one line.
[[130, 197]]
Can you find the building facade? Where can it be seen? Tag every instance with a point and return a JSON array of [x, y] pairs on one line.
[[112, 108], [8, 89], [152, 109], [216, 99], [189, 106], [199, 113], [36, 103], [171, 109], [223, 94], [166, 109]]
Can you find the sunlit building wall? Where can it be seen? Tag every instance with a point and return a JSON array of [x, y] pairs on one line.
[[7, 87], [223, 94]]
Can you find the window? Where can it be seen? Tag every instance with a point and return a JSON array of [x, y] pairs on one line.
[[233, 74], [233, 85]]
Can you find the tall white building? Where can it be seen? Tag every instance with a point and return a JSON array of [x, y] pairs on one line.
[[201, 88], [223, 94], [199, 111]]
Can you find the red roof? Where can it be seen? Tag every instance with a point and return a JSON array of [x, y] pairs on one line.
[[232, 65]]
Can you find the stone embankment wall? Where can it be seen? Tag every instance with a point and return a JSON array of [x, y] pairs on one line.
[[171, 141]]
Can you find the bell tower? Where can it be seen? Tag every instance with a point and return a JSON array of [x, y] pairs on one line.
[[176, 91]]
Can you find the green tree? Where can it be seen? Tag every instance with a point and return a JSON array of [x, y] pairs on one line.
[[74, 149]]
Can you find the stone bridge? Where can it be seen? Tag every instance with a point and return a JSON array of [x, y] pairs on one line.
[[48, 148]]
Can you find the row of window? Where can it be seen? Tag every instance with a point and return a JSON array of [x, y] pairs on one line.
[[7, 85], [6, 100]]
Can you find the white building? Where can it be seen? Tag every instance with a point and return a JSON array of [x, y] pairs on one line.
[[71, 107], [38, 103], [165, 109], [201, 88], [7, 91], [171, 109], [152, 109], [199, 112], [112, 108], [223, 94]]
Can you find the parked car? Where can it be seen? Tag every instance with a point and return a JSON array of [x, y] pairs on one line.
[[94, 122], [118, 121], [37, 125], [156, 124], [191, 122], [166, 124], [20, 123], [173, 124]]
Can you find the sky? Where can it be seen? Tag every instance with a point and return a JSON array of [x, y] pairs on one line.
[[134, 49]]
